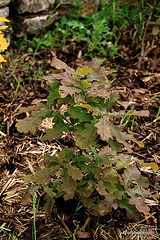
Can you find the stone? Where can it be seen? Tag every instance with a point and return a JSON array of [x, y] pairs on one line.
[[67, 2], [30, 17], [4, 3], [32, 6], [4, 12], [33, 24]]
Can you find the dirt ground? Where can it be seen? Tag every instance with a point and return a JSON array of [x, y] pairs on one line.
[[20, 154]]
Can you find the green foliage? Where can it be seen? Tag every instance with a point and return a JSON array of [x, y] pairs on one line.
[[100, 31], [101, 177]]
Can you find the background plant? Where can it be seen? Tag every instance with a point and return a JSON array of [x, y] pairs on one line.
[[99, 32], [97, 173]]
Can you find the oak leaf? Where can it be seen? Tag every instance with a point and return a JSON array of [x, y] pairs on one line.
[[65, 91], [79, 113], [152, 165], [85, 137], [108, 203], [140, 204], [143, 181], [58, 64], [142, 113], [112, 99], [83, 71], [131, 173], [68, 196], [131, 211], [87, 190], [116, 131], [104, 128], [122, 161], [74, 172], [43, 175], [68, 185], [56, 131], [30, 123], [110, 175], [100, 187]]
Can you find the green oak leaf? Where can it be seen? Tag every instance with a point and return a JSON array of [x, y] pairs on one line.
[[56, 131], [88, 135], [131, 211], [30, 123], [79, 113], [66, 155], [54, 93], [143, 181], [74, 172]]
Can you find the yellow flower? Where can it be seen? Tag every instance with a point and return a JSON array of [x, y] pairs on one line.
[[3, 42], [3, 19]]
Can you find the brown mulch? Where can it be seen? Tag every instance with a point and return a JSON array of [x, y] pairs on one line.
[[20, 154]]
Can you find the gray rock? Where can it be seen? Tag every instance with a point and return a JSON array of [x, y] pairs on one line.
[[4, 12], [4, 3], [32, 6], [32, 16], [67, 2], [33, 24]]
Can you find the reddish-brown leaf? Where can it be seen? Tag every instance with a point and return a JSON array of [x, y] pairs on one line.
[[116, 131], [74, 172], [140, 204], [108, 203], [130, 173], [110, 175], [65, 91], [100, 187], [69, 185], [104, 128], [68, 196], [43, 176], [58, 64]]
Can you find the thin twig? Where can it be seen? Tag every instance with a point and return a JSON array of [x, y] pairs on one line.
[[65, 226], [144, 35], [86, 222]]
